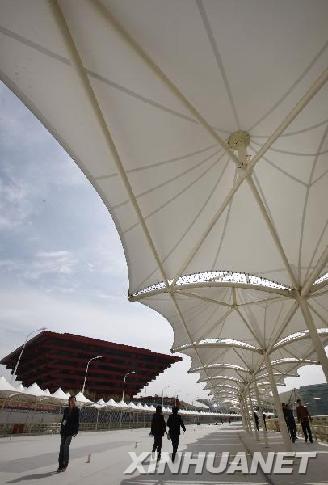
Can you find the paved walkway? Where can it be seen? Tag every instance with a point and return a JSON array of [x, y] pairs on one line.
[[33, 460]]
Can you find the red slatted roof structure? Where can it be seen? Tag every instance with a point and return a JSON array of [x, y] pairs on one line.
[[55, 360]]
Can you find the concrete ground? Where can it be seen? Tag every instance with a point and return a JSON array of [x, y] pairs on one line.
[[101, 458]]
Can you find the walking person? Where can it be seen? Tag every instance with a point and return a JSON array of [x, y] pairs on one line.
[[256, 420], [158, 428], [284, 410], [69, 428], [303, 417], [290, 421], [264, 422], [174, 424]]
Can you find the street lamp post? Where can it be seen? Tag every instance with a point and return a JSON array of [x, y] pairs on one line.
[[14, 374], [124, 379], [86, 370], [176, 397], [166, 387]]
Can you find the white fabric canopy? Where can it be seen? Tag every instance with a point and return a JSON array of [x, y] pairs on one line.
[[230, 72], [81, 398], [60, 394], [35, 390], [144, 97], [6, 386]]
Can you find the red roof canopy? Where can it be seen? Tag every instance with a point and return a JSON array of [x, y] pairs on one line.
[[55, 360]]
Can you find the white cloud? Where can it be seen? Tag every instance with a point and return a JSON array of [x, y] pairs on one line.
[[47, 262], [15, 208], [40, 264], [106, 255], [309, 374]]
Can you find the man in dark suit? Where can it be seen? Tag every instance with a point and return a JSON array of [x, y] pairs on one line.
[[69, 428], [304, 417], [256, 420], [158, 428], [174, 424]]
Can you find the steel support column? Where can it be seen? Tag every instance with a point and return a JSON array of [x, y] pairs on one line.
[[260, 407], [249, 427], [276, 399], [242, 412], [253, 414]]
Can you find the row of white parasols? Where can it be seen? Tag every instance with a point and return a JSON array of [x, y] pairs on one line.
[[33, 391]]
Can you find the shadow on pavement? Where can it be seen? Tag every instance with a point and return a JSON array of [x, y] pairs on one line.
[[34, 476], [21, 465], [224, 440], [228, 440]]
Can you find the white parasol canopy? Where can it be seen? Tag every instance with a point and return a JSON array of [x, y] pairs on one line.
[[169, 102], [203, 127], [60, 394]]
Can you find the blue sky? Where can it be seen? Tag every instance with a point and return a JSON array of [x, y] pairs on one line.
[[61, 261]]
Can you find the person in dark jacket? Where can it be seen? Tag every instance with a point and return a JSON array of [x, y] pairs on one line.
[[174, 424], [264, 421], [256, 420], [304, 417], [158, 428], [291, 424], [69, 428], [290, 421]]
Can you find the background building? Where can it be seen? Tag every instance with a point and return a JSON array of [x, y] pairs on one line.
[[54, 360], [169, 402], [214, 407], [315, 397]]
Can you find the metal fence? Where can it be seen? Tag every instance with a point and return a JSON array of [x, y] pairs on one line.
[[41, 417], [319, 426]]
